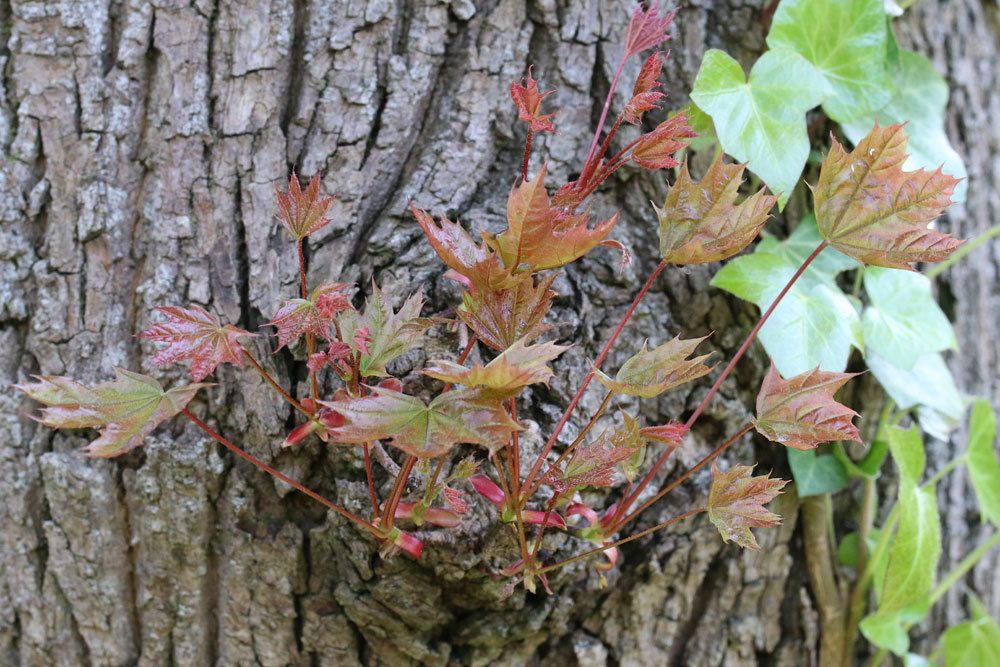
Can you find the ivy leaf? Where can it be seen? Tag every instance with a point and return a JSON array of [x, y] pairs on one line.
[[890, 630], [195, 335], [302, 212], [649, 373], [984, 471], [816, 475], [528, 101], [814, 325], [762, 121], [501, 316], [903, 321], [425, 431], [515, 368], [593, 464], [920, 100], [389, 334], [846, 42], [314, 315], [701, 222], [974, 643], [928, 386], [736, 503], [869, 208], [801, 243], [541, 235], [800, 412], [126, 409], [916, 546]]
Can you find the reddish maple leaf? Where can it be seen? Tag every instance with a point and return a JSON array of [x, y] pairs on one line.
[[800, 412], [455, 499], [593, 464], [655, 149], [647, 28], [670, 433], [313, 315], [529, 101], [302, 212], [195, 335], [337, 353], [649, 373], [473, 261], [125, 410], [500, 317], [542, 235], [701, 222], [736, 503], [423, 430], [515, 368], [869, 208], [645, 97]]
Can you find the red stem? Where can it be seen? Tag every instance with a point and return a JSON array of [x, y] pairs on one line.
[[398, 489], [369, 475], [527, 155], [284, 478], [590, 167], [726, 371], [540, 461], [604, 111], [274, 383], [310, 339]]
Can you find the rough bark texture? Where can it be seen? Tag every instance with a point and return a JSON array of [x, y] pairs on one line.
[[143, 144]]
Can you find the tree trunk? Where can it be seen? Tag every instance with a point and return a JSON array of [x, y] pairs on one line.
[[144, 141]]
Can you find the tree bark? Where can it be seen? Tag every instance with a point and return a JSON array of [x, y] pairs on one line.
[[144, 142]]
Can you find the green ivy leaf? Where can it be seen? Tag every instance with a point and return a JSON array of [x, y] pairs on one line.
[[815, 475], [801, 243], [928, 386], [814, 325], [846, 41], [762, 121], [903, 322], [915, 549], [920, 101], [984, 471], [973, 643], [891, 629]]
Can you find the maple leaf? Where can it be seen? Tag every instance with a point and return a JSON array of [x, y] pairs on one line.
[[455, 499], [670, 433], [701, 222], [869, 208], [800, 412], [513, 369], [195, 335], [126, 409], [314, 315], [649, 373], [529, 101], [389, 334], [647, 28], [632, 439], [736, 503], [423, 430], [499, 317], [593, 464], [655, 149], [302, 212], [645, 97], [334, 355], [542, 235], [457, 249]]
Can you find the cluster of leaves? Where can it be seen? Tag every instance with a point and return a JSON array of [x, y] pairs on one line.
[[869, 211]]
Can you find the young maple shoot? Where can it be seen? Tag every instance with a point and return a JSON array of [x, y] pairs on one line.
[[866, 206]]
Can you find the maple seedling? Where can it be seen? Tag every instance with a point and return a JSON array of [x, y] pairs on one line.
[[866, 206]]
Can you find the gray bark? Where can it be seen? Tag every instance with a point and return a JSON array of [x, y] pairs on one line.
[[143, 143]]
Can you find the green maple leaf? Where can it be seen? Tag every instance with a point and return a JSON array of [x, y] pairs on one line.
[[126, 409]]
